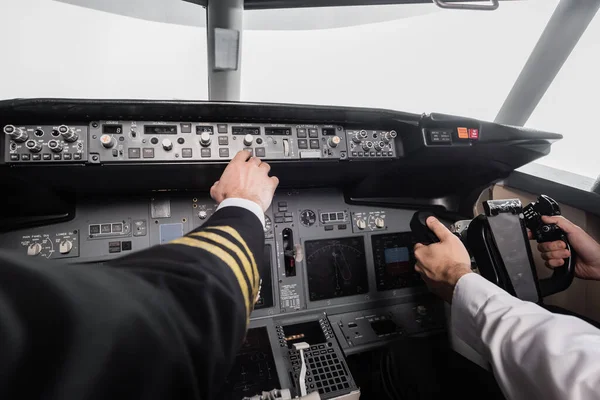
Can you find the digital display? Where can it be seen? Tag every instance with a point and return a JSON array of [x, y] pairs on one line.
[[245, 130], [336, 268], [309, 332], [200, 129], [278, 131], [328, 131], [397, 260], [266, 288], [394, 261], [112, 129], [160, 129]]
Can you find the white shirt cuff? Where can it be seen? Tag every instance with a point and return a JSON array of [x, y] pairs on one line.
[[247, 204]]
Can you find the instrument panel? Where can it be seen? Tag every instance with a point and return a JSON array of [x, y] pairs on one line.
[[106, 141]]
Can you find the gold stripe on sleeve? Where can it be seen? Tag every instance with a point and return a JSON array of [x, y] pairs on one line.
[[238, 252], [236, 236], [225, 257]]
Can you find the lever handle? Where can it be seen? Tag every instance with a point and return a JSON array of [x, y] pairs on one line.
[[420, 230]]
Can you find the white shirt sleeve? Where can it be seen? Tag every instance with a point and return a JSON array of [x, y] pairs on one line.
[[534, 353], [247, 204]]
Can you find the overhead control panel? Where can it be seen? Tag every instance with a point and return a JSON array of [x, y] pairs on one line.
[[139, 141], [45, 143]]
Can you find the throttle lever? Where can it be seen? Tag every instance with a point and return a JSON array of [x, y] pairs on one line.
[[421, 232]]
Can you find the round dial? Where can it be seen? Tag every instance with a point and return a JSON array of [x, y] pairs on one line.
[[268, 224], [308, 217]]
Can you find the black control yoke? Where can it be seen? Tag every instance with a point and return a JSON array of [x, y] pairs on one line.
[[499, 243]]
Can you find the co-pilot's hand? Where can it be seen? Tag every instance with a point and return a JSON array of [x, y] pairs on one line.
[[247, 178], [587, 259], [442, 264]]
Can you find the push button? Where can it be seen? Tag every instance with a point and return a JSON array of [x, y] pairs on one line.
[[223, 153], [148, 152], [186, 128], [15, 157], [66, 156], [260, 152], [222, 128], [314, 143], [205, 152], [47, 157], [302, 144], [301, 132], [134, 152], [223, 140], [25, 157], [186, 153], [36, 157], [313, 133]]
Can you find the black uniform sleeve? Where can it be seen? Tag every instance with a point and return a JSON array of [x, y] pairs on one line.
[[163, 323]]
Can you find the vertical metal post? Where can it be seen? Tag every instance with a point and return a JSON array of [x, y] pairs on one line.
[[224, 24], [568, 22]]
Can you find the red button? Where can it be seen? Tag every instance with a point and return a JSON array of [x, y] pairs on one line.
[[473, 133]]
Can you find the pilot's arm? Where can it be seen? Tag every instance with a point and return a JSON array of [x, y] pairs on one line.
[[163, 323], [534, 354]]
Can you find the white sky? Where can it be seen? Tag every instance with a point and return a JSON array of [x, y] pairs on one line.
[[457, 62]]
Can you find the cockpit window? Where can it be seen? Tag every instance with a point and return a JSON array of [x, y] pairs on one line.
[[417, 58]]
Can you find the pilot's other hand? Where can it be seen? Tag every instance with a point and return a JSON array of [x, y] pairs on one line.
[[587, 259], [247, 178], [442, 264]]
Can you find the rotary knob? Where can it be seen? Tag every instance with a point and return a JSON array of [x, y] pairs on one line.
[[33, 146], [367, 146], [34, 249], [167, 144], [55, 146], [248, 140], [379, 145], [356, 138], [379, 222], [334, 141], [202, 214], [107, 141], [389, 136], [65, 246], [361, 224], [16, 134], [67, 133], [205, 139]]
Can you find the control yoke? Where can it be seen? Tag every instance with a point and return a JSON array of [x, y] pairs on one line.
[[499, 243]]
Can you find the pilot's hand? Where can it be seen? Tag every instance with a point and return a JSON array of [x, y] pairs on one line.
[[587, 259], [247, 178], [442, 264]]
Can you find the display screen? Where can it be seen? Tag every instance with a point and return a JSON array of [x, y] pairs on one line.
[[397, 259], [309, 332], [112, 129], [160, 129], [278, 131], [336, 268], [200, 129], [245, 130], [328, 131], [266, 289], [394, 261]]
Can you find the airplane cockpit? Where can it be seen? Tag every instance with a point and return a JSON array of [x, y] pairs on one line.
[[148, 100]]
